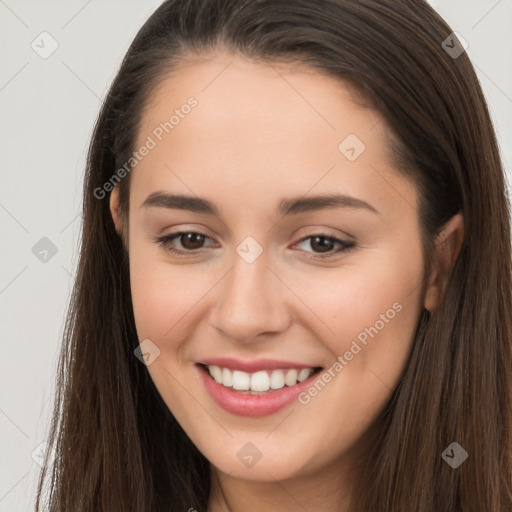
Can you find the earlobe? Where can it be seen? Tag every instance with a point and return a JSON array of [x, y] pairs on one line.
[[115, 210], [447, 250]]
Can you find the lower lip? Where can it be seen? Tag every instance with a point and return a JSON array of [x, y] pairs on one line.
[[253, 405]]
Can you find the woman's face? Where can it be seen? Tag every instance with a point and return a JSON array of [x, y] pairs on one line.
[[259, 154]]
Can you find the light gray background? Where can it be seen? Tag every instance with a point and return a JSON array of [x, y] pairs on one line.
[[48, 108]]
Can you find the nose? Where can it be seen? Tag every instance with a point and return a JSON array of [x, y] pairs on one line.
[[250, 301]]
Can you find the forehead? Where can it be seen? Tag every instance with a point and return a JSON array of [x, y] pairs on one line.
[[260, 128], [229, 86]]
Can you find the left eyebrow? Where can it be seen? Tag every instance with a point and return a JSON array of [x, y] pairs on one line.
[[322, 202]]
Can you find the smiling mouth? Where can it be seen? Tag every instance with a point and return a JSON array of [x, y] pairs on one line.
[[261, 382]]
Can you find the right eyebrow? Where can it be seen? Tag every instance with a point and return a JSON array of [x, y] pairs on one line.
[[180, 202]]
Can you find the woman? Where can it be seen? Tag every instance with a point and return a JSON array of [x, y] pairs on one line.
[[294, 287]]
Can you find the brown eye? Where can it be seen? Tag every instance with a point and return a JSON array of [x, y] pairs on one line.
[[324, 246], [192, 241], [322, 243], [183, 243]]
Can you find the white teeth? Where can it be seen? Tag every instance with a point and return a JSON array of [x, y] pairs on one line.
[[241, 380], [277, 379], [227, 378], [291, 378], [259, 381], [216, 373], [303, 374]]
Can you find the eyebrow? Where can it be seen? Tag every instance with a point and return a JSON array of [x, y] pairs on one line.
[[286, 206]]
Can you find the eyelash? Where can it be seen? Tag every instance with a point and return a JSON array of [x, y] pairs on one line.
[[345, 246]]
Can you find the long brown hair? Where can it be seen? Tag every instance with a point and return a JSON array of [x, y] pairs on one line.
[[117, 445]]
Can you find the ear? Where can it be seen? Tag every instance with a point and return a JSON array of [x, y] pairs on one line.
[[115, 210], [447, 250]]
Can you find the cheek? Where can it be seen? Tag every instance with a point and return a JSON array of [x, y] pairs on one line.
[[374, 316], [367, 314], [167, 298]]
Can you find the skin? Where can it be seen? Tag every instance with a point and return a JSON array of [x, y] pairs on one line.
[[259, 134]]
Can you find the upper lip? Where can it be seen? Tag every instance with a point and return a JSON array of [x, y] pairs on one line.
[[252, 366]]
